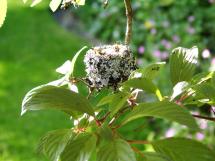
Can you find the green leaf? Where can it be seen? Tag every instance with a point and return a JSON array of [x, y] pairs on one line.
[[54, 4], [116, 150], [141, 83], [80, 148], [75, 59], [207, 90], [51, 97], [106, 100], [118, 102], [152, 156], [164, 109], [105, 132], [179, 88], [145, 84], [182, 64], [149, 72], [35, 2], [3, 11], [201, 78], [68, 67], [181, 149], [54, 142]]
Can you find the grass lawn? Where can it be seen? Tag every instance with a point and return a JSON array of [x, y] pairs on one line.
[[32, 45]]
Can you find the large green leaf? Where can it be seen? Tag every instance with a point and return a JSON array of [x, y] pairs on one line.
[[3, 11], [118, 102], [179, 88], [75, 59], [67, 68], [152, 156], [181, 149], [144, 84], [164, 109], [116, 150], [52, 97], [54, 142], [106, 100], [182, 64], [149, 72], [207, 90], [80, 148]]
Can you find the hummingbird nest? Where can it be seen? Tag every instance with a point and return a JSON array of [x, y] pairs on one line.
[[108, 65]]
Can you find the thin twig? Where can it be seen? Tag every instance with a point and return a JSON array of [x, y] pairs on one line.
[[122, 111], [137, 151], [105, 116], [204, 117], [137, 142], [129, 14]]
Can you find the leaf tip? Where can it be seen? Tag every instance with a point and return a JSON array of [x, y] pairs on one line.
[[23, 112]]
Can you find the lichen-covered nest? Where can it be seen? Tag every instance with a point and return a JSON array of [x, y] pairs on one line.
[[108, 65]]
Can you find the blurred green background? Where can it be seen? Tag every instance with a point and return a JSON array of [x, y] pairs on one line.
[[33, 43]]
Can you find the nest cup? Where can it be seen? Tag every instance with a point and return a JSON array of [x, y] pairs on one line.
[[108, 65]]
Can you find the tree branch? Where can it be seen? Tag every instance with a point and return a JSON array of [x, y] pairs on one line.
[[204, 117], [129, 14], [137, 142]]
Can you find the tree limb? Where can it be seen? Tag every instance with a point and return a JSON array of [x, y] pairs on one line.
[[129, 14]]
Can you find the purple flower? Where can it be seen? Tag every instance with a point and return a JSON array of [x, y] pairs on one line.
[[166, 44], [213, 110], [211, 1], [191, 18], [153, 31], [164, 55], [206, 54], [200, 136], [141, 49], [163, 41], [213, 61], [139, 62], [157, 54], [176, 39], [203, 124], [170, 133], [191, 30]]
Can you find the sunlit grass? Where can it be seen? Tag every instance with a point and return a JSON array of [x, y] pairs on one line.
[[32, 45]]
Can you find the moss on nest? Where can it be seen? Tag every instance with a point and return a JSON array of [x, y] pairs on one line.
[[108, 65]]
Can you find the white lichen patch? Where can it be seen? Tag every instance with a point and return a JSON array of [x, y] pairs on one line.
[[108, 65]]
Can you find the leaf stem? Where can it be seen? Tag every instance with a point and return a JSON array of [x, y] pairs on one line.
[[129, 14], [204, 117], [138, 142], [137, 151], [105, 116], [122, 111]]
